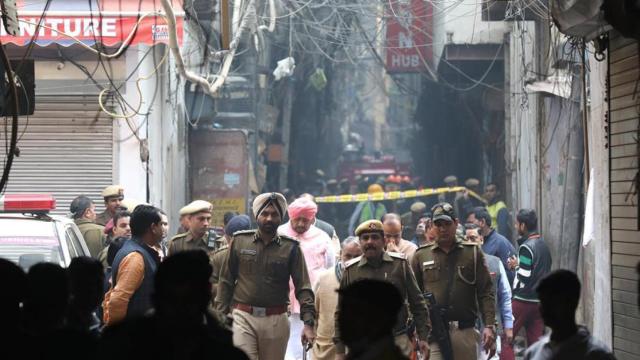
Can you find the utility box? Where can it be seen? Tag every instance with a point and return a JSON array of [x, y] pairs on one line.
[[219, 170], [24, 76]]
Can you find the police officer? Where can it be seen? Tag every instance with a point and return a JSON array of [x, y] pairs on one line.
[[455, 272], [198, 214], [113, 196], [254, 284], [237, 223], [83, 212], [377, 264], [410, 219], [184, 220]]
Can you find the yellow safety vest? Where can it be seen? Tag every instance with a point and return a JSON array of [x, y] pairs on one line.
[[493, 211]]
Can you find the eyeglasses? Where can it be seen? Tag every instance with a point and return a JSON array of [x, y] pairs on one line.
[[373, 236]]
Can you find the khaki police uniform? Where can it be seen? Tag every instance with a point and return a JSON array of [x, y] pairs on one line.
[[109, 192], [254, 288], [217, 261], [393, 268], [93, 235], [186, 241], [469, 296], [103, 218]]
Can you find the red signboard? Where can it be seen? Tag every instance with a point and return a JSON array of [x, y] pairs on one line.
[[108, 30], [105, 21], [409, 36], [135, 5]]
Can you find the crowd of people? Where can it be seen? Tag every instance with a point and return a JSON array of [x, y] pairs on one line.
[[438, 282]]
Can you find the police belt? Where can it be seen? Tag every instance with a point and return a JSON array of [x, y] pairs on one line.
[[261, 311], [462, 324], [457, 324]]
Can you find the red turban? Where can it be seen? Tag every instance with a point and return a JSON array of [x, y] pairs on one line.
[[302, 208]]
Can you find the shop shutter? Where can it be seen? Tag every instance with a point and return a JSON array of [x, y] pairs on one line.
[[624, 125], [66, 148]]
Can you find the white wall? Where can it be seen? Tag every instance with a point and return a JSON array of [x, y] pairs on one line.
[[167, 135], [522, 134], [599, 161], [163, 128], [130, 171]]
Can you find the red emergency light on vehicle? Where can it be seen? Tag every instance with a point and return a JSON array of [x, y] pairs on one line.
[[27, 203]]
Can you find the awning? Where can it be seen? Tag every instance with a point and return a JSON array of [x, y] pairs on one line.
[[107, 23]]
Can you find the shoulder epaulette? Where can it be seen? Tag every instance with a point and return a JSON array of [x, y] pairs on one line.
[[397, 255], [285, 237], [178, 236], [470, 243], [352, 261], [244, 232], [424, 246], [224, 247]]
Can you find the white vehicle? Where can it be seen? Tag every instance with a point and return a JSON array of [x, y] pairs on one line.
[[29, 235]]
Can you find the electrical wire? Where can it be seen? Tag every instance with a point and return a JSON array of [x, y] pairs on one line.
[[34, 37], [138, 89], [209, 88], [10, 75]]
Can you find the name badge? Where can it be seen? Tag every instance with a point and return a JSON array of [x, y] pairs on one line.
[[427, 263], [247, 252]]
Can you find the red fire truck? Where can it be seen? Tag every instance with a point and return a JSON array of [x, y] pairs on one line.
[[354, 165]]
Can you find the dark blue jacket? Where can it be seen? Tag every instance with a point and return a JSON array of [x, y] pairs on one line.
[[498, 245], [140, 301]]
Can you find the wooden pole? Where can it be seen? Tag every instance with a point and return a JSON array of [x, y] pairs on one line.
[[225, 24]]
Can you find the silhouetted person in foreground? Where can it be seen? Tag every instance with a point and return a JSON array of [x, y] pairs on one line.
[[14, 290], [86, 278], [45, 310], [559, 294], [369, 310], [180, 327], [47, 298]]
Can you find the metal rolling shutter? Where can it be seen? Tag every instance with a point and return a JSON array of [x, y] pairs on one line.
[[624, 106], [66, 150]]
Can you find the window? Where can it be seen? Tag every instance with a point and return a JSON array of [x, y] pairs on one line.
[[28, 241], [75, 246]]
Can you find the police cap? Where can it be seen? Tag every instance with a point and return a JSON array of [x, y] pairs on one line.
[[418, 207], [369, 226], [196, 207], [443, 211], [113, 191], [472, 182], [450, 179]]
